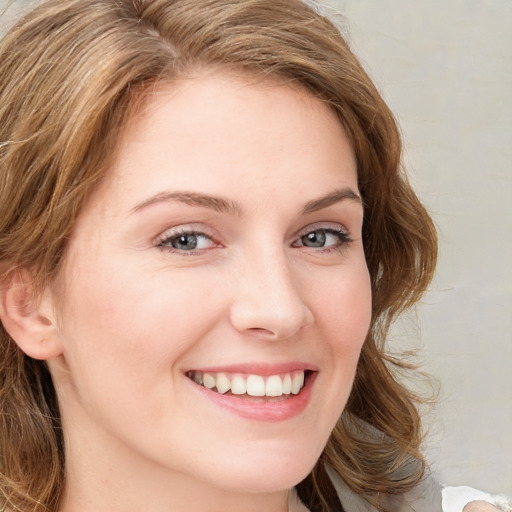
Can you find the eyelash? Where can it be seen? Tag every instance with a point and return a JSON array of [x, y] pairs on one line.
[[165, 242], [344, 238], [340, 233]]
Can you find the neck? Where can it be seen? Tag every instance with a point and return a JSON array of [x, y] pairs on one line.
[[120, 490], [111, 480], [161, 495]]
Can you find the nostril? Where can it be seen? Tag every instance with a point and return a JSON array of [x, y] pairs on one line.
[[262, 330], [262, 333]]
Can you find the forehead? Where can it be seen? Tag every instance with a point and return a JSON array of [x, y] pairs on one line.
[[219, 132], [230, 99]]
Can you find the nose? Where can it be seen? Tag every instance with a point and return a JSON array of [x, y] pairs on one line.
[[267, 299]]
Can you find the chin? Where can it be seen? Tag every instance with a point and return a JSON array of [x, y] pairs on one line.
[[265, 474]]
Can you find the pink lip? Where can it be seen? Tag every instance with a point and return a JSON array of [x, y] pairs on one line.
[[269, 411], [263, 369]]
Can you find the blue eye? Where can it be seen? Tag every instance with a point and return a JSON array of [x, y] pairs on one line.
[[323, 238], [187, 241]]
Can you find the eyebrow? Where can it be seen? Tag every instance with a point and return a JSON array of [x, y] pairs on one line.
[[222, 205], [338, 195], [218, 204]]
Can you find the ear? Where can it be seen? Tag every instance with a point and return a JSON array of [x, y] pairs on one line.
[[29, 319]]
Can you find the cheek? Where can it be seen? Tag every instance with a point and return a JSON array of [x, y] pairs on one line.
[[125, 319], [343, 317], [125, 339], [343, 308], [341, 301]]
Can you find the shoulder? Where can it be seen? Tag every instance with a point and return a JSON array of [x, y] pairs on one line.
[[425, 497]]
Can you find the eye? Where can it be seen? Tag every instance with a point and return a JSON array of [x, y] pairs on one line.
[[187, 241], [323, 239]]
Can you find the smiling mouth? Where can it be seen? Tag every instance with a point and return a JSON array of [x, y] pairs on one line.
[[250, 385]]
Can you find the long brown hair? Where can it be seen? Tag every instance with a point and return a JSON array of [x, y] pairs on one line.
[[70, 73]]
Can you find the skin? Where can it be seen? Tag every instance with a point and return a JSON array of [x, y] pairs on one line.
[[132, 316], [479, 506]]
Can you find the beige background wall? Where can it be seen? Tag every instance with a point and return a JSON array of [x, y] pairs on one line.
[[445, 66]]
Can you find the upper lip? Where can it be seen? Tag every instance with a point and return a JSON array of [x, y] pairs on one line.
[[263, 369]]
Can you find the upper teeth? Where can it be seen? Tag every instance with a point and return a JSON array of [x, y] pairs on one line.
[[253, 385]]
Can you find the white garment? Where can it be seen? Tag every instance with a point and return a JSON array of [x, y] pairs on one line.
[[456, 498]]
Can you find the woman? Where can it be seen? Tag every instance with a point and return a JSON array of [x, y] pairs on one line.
[[205, 234]]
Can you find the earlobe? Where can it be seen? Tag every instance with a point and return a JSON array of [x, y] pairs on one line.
[[28, 317]]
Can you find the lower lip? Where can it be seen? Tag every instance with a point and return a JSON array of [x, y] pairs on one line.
[[271, 411]]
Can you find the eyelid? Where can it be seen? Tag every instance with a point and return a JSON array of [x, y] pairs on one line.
[[327, 226], [344, 239], [182, 229]]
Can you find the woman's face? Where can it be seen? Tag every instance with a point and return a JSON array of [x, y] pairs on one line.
[[219, 264]]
